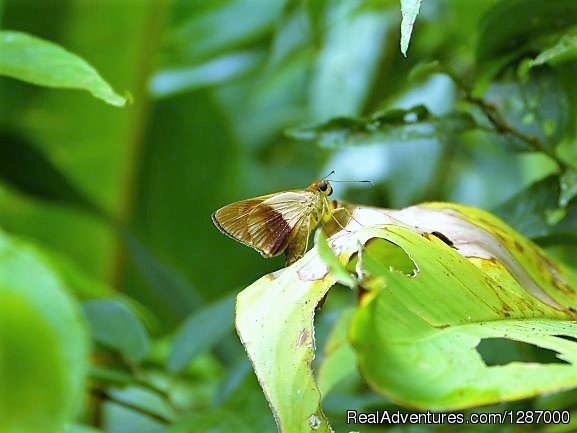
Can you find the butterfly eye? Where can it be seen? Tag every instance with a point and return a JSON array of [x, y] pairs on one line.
[[323, 186]]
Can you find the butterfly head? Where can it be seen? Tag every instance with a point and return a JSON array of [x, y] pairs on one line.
[[323, 186]]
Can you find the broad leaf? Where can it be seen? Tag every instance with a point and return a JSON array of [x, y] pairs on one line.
[[274, 319], [436, 279], [391, 126], [538, 107], [202, 330], [530, 211], [409, 10], [43, 344], [37, 61], [500, 34], [115, 325]]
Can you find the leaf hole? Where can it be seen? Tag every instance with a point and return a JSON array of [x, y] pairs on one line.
[[502, 351], [380, 253]]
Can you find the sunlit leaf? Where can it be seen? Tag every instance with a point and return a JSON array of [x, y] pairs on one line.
[[274, 319], [437, 279], [387, 127], [115, 325], [409, 10], [202, 330], [404, 318], [327, 255], [43, 344], [37, 61]]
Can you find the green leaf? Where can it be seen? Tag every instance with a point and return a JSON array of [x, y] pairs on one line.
[[201, 331], [568, 182], [338, 360], [425, 69], [529, 212], [537, 107], [437, 279], [511, 25], [488, 282], [564, 48], [387, 127], [274, 319], [43, 344], [214, 421], [332, 261], [351, 43], [44, 63], [115, 325], [409, 11]]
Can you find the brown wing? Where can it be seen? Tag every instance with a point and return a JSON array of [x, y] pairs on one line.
[[274, 223], [298, 242], [232, 219], [265, 223]]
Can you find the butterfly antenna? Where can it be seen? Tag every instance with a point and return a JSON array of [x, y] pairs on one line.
[[328, 175], [353, 181]]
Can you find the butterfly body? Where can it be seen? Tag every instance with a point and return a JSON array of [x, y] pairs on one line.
[[277, 223]]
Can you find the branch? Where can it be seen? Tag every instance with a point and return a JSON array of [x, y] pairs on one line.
[[499, 123], [504, 128]]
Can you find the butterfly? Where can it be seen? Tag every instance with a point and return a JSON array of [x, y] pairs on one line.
[[281, 222]]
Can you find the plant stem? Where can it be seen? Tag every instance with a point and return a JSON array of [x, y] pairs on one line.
[[499, 123], [504, 128]]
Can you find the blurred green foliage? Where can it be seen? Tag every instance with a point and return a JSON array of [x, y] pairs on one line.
[[111, 206]]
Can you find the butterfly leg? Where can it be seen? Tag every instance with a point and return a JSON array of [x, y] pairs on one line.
[[340, 209]]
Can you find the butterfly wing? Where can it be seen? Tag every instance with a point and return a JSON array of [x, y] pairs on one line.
[[232, 219], [266, 223], [275, 222]]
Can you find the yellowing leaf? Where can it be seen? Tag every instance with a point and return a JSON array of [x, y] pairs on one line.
[[437, 279]]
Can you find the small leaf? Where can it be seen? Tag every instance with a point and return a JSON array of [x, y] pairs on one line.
[[386, 127], [568, 182], [201, 331], [508, 26], [409, 11], [114, 325], [565, 48], [424, 69], [332, 261], [44, 345], [44, 63], [530, 210], [537, 107]]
